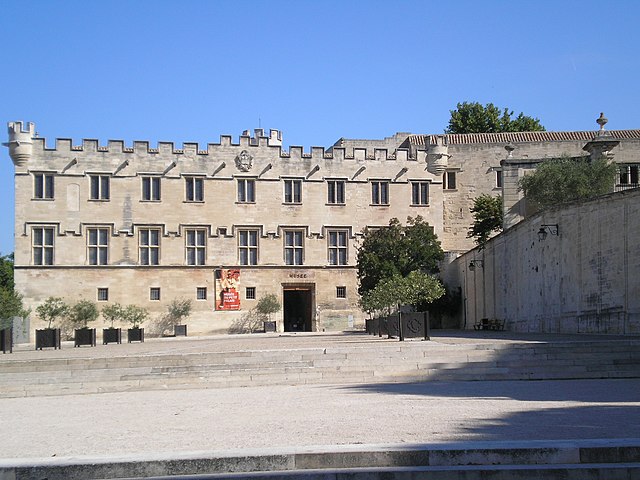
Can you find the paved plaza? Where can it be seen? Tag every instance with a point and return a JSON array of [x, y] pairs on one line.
[[277, 417]]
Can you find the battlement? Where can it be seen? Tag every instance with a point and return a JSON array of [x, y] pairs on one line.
[[252, 143]]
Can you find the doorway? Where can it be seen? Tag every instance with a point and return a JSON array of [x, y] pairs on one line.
[[298, 309]]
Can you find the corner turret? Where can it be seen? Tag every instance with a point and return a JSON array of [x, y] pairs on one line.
[[20, 142], [438, 156]]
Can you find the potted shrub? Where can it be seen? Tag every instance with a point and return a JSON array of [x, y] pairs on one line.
[[135, 315], [81, 314], [50, 311], [10, 307], [112, 313], [179, 310], [267, 305]]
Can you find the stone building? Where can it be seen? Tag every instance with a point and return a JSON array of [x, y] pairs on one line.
[[229, 223]]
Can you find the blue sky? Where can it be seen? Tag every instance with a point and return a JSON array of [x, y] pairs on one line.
[[187, 71]]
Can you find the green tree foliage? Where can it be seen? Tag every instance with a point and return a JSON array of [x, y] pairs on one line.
[[113, 313], [52, 309], [178, 310], [136, 315], [414, 289], [10, 300], [10, 306], [83, 312], [6, 271], [397, 250], [472, 117], [487, 218], [267, 305], [567, 179]]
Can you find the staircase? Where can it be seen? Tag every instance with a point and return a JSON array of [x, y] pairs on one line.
[[360, 359]]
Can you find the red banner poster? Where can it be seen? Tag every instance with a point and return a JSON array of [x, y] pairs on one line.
[[227, 289]]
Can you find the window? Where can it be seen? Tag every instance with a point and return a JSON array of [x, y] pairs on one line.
[[42, 245], [99, 187], [43, 186], [196, 246], [154, 294], [151, 189], [98, 246], [380, 193], [341, 292], [419, 193], [248, 247], [449, 180], [246, 190], [498, 178], [194, 189], [293, 191], [629, 174], [250, 293], [149, 246], [293, 249], [103, 294], [337, 247], [201, 293], [335, 191]]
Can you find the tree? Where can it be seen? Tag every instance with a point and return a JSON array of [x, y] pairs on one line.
[[568, 179], [397, 250], [267, 305], [83, 312], [487, 218], [52, 309], [178, 309], [6, 271], [472, 117], [136, 315], [10, 300], [113, 313], [414, 289]]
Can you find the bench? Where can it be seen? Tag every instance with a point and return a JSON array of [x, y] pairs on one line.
[[489, 324]]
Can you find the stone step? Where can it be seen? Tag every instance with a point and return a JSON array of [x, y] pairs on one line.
[[370, 362], [584, 460]]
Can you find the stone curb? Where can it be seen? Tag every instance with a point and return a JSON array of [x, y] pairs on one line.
[[304, 461]]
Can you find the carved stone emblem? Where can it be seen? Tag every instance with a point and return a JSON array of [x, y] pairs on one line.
[[244, 161]]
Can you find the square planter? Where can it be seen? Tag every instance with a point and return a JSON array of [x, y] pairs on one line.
[[111, 335], [180, 330], [135, 335], [48, 338], [85, 336], [269, 327], [6, 340]]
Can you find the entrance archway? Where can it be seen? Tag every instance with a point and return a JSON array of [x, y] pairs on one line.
[[298, 308]]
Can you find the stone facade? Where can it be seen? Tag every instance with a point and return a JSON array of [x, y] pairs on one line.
[[144, 225]]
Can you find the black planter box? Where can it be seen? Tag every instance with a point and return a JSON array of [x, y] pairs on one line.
[[111, 335], [48, 338], [135, 335], [180, 330], [85, 336], [6, 340], [269, 327]]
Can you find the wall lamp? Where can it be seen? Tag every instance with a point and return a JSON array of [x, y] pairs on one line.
[[545, 230], [476, 263]]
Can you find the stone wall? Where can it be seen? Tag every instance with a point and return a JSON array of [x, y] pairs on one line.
[[585, 279]]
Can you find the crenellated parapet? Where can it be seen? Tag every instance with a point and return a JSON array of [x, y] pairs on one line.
[[20, 142], [23, 144]]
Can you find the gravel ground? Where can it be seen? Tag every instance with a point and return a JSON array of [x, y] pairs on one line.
[[183, 421]]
